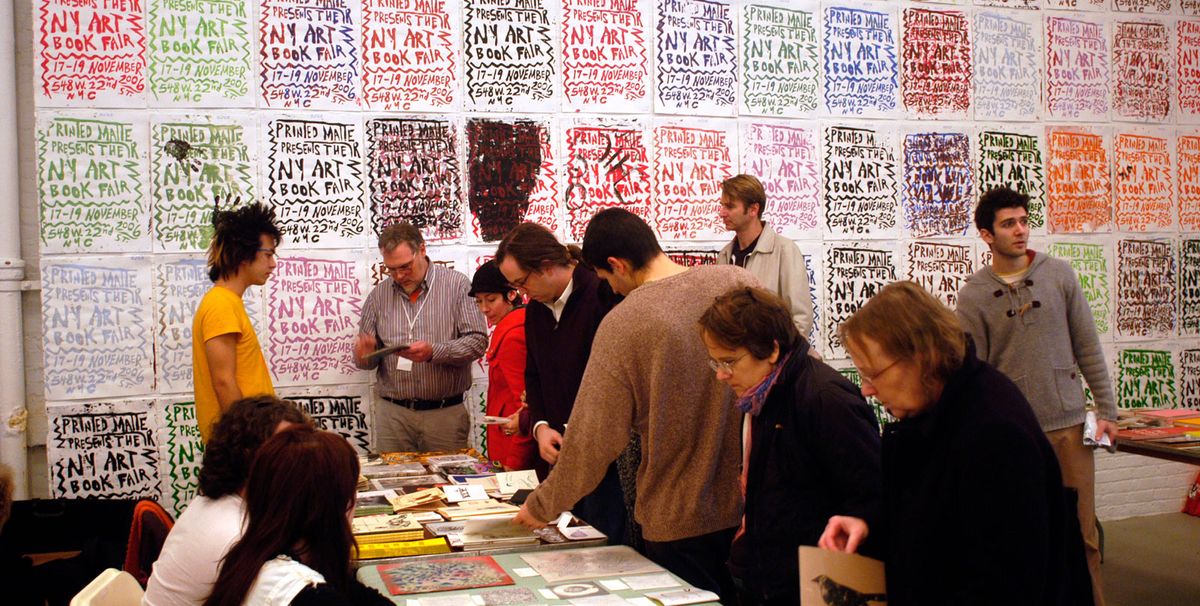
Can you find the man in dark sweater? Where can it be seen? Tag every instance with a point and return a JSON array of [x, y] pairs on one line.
[[567, 303]]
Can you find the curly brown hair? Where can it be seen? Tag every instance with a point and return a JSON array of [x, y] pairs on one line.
[[236, 437]]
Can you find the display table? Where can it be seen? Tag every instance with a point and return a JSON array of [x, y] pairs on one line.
[[1149, 448], [596, 571]]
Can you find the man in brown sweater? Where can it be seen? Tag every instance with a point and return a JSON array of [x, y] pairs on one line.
[[649, 373]]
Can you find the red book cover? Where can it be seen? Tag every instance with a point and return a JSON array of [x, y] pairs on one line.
[[1151, 433]]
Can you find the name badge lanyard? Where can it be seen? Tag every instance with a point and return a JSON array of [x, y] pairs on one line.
[[412, 324]]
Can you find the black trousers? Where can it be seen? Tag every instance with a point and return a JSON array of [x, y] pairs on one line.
[[699, 560]]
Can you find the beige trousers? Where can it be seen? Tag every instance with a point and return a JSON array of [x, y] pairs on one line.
[[1079, 472], [400, 429]]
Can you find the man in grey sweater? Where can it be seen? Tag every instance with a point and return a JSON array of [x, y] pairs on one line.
[[1029, 319]]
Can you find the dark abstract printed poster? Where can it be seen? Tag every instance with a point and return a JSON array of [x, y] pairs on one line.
[[939, 186], [1008, 66], [607, 165], [1146, 289], [853, 274], [861, 60], [510, 175], [1092, 264], [413, 171], [411, 54], [860, 181], [785, 156], [781, 60], [509, 55], [1145, 378], [313, 307], [1077, 69], [102, 450], [1143, 184], [90, 53], [1187, 65], [696, 63], [689, 166], [1189, 287], [1187, 176], [1012, 158], [1078, 194], [1142, 74], [200, 53], [605, 55], [940, 268], [198, 161], [97, 339], [309, 53], [343, 409], [92, 173], [314, 180], [936, 56], [181, 452]]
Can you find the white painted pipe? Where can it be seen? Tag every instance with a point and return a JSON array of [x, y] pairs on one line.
[[14, 450]]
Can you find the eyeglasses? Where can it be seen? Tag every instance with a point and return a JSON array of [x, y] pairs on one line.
[[270, 252], [725, 365], [871, 379], [521, 282], [399, 269]]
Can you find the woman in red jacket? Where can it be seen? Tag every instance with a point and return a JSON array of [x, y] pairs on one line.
[[501, 305]]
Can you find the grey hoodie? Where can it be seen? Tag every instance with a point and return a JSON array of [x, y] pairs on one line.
[[1038, 332]]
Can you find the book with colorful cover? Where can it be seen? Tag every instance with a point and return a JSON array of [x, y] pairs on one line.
[[443, 574], [373, 551], [1151, 433]]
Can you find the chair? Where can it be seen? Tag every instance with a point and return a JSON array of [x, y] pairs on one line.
[[147, 533], [112, 588]]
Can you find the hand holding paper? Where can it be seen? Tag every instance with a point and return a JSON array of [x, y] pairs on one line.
[[843, 533]]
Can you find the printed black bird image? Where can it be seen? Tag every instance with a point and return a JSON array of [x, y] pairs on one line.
[[836, 594]]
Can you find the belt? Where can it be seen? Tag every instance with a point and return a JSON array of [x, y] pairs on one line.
[[416, 404]]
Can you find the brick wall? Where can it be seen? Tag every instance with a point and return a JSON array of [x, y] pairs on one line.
[[1129, 486]]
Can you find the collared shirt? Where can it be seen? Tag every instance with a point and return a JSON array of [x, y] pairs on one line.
[[443, 315], [559, 304], [741, 254]]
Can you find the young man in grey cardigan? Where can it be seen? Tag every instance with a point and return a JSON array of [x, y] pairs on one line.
[[1030, 320]]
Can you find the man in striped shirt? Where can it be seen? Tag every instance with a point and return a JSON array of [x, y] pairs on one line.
[[425, 308]]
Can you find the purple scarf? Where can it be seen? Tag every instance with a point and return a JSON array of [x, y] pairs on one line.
[[753, 400]]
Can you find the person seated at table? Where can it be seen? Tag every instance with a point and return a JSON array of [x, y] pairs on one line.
[[810, 442], [502, 306], [297, 545], [975, 510], [187, 566]]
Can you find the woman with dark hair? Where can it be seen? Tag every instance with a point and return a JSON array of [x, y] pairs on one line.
[[810, 442], [297, 543], [975, 511], [502, 306]]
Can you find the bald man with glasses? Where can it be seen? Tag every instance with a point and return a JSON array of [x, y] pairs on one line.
[[425, 308]]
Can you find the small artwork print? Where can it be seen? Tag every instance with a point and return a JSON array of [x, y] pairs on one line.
[[509, 596], [443, 574]]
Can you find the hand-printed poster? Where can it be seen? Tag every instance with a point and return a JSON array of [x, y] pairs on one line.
[[97, 339], [89, 53], [813, 251], [939, 267], [1190, 8], [512, 175], [936, 68], [939, 188], [1077, 69], [881, 414], [102, 450], [1189, 287], [780, 59], [92, 171], [313, 305], [1008, 66], [1143, 187], [1011, 157], [696, 60], [314, 179], [1092, 262], [410, 55], [689, 164], [605, 56], [1146, 289], [1146, 378], [342, 409], [1188, 365], [198, 162], [1030, 5], [1187, 175], [860, 186], [181, 453], [309, 53], [853, 274], [785, 156], [509, 55], [1077, 5], [200, 53], [861, 60], [1142, 6], [1142, 74], [413, 175], [608, 164], [1187, 65], [693, 257], [1078, 186]]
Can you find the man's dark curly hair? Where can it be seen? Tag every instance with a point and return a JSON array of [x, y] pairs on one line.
[[235, 439], [237, 236]]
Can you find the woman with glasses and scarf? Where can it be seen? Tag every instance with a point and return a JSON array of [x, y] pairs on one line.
[[810, 442]]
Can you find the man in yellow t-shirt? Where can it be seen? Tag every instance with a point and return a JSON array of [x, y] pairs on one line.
[[227, 362]]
